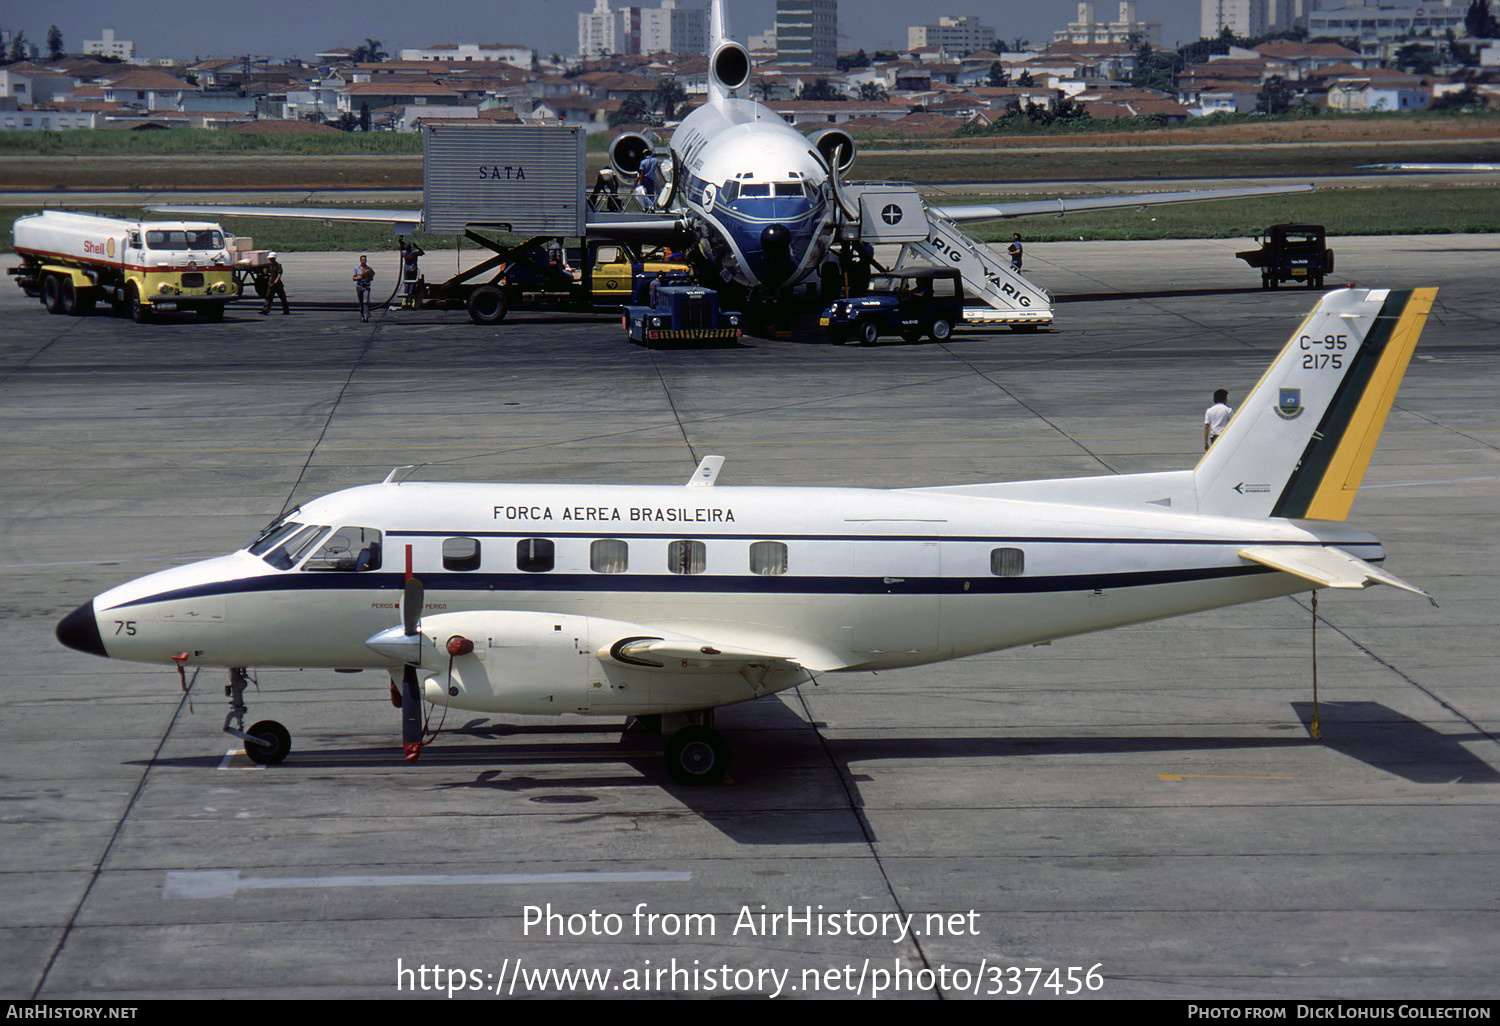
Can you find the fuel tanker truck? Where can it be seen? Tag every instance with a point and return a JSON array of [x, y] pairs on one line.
[[73, 261]]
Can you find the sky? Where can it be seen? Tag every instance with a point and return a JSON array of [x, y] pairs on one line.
[[285, 28]]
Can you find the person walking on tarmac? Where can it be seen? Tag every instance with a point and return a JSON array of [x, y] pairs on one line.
[[1015, 251], [274, 286], [364, 277], [410, 272]]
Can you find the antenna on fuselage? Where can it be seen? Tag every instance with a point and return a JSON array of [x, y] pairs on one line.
[[392, 477]]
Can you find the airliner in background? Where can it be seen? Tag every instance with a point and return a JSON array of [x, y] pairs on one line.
[[665, 602], [762, 201]]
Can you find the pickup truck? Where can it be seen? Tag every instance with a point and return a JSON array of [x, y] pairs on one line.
[[1291, 252], [910, 302]]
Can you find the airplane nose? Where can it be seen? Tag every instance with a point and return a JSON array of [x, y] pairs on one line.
[[80, 630]]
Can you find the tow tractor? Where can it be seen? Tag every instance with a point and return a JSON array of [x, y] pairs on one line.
[[671, 308]]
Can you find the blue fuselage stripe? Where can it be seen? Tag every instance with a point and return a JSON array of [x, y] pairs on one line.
[[389, 584]]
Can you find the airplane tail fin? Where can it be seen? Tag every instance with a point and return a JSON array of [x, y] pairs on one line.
[[1299, 444], [728, 61], [718, 25]]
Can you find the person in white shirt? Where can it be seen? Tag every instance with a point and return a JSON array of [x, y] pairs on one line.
[[1216, 418]]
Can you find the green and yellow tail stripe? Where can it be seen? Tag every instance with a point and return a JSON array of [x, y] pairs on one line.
[[1334, 463]]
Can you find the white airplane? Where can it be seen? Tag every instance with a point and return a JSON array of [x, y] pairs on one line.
[[650, 601], [762, 200]]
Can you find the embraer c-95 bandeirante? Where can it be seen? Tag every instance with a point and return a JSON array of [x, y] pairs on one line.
[[669, 601]]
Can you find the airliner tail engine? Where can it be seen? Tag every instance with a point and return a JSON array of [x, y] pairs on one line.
[[830, 140]]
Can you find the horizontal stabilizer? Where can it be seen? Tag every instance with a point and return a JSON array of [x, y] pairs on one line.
[[1327, 567]]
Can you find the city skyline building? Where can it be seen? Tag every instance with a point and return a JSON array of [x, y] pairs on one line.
[[807, 32], [960, 35]]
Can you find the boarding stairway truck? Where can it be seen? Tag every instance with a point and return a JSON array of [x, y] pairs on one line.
[[73, 261], [891, 213]]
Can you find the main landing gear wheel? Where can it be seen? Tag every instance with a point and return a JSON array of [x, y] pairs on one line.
[[697, 756], [277, 743]]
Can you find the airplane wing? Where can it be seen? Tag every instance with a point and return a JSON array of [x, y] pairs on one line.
[[1454, 168], [1031, 208], [301, 213], [622, 227], [1329, 567]]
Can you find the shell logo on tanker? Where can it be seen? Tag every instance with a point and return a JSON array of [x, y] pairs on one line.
[[90, 246]]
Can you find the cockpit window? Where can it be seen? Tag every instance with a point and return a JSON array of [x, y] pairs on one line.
[[750, 189], [730, 191], [349, 549], [202, 238], [275, 534], [788, 188], [285, 555]]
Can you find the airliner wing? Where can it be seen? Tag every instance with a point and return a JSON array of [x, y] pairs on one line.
[[622, 227], [1031, 208], [1453, 168], [1329, 567], [302, 213]]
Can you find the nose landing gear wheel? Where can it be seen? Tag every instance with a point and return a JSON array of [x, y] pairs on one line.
[[697, 756], [278, 743]]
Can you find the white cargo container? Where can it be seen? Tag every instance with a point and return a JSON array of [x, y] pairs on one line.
[[526, 179], [73, 261]]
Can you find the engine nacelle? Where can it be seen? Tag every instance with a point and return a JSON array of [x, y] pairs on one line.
[[831, 139], [627, 152], [729, 67]]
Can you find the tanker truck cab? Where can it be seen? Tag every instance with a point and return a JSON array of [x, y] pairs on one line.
[[71, 261]]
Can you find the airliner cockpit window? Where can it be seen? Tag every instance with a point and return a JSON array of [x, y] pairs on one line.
[[349, 549], [729, 191], [788, 188], [755, 190], [286, 555]]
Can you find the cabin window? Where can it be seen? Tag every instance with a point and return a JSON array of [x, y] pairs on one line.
[[609, 556], [349, 549], [1007, 562], [768, 558], [535, 555], [461, 554], [286, 555], [687, 557]]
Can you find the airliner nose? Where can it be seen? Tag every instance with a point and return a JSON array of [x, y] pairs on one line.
[[80, 630]]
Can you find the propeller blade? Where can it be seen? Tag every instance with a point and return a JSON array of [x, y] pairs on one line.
[[411, 605], [411, 706]]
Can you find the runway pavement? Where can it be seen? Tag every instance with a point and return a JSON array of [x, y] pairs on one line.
[[1145, 803]]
